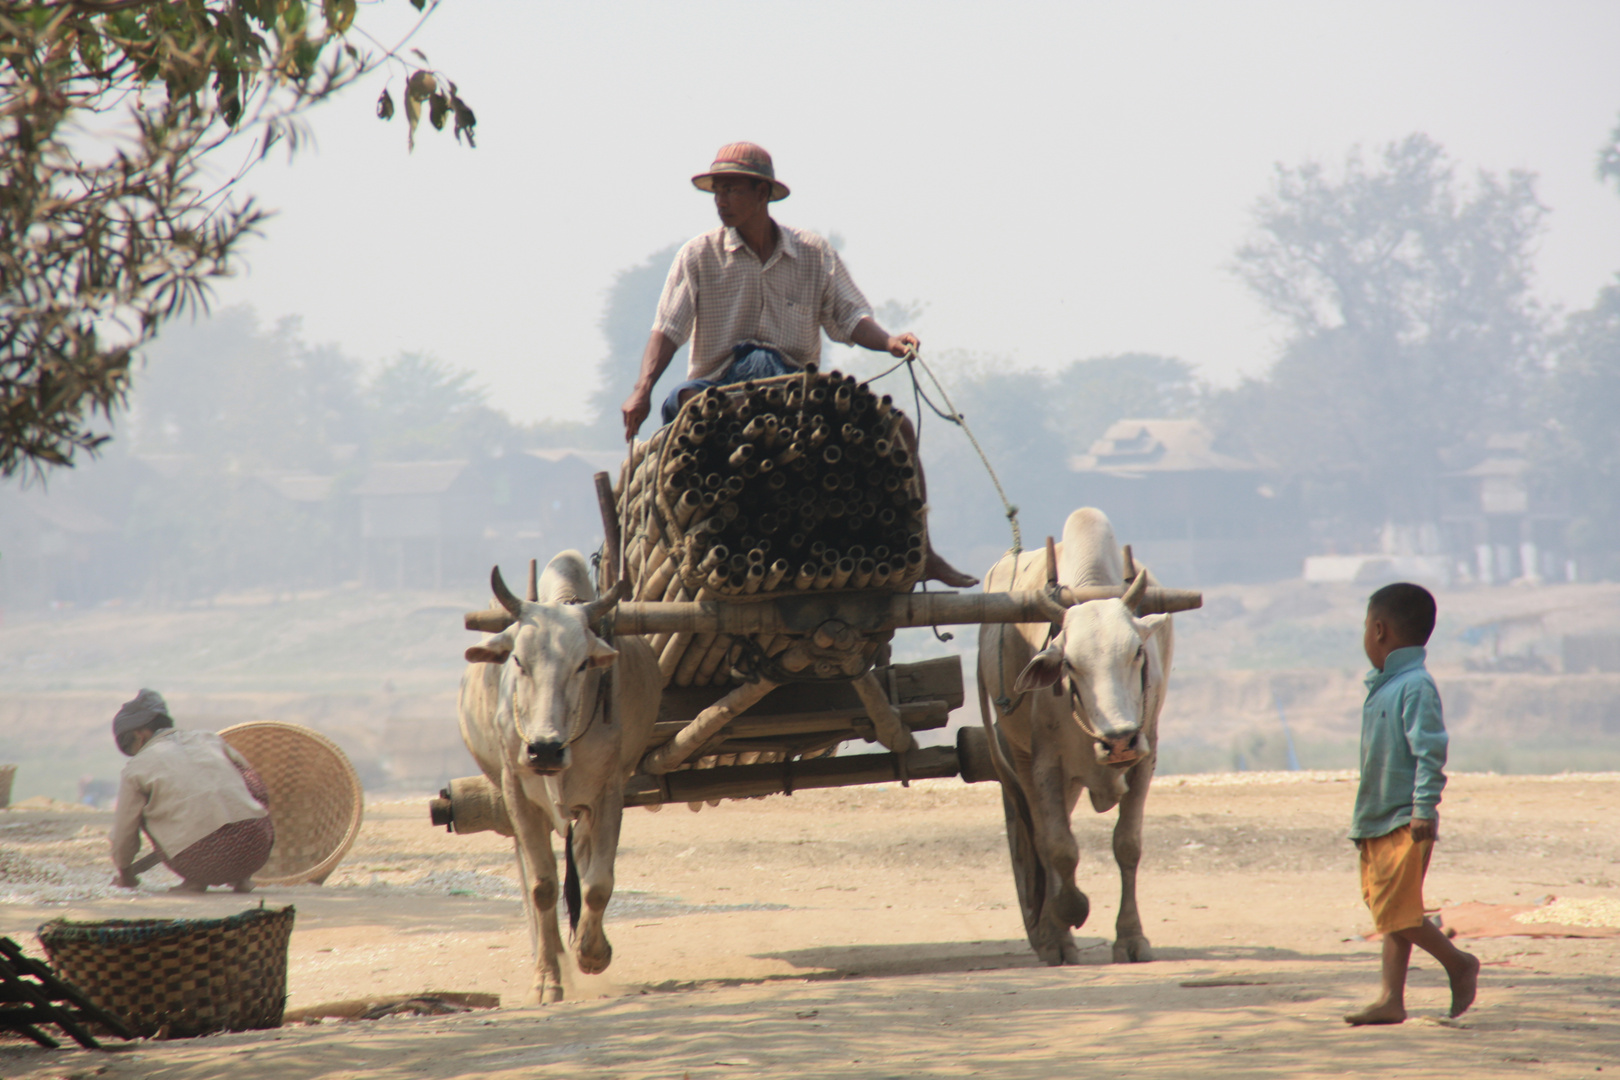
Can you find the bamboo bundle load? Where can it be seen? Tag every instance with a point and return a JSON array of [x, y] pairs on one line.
[[798, 483]]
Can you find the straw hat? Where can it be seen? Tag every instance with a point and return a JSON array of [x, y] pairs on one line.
[[742, 159]]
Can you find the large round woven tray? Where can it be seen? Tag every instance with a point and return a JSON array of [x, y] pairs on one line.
[[316, 801], [181, 977]]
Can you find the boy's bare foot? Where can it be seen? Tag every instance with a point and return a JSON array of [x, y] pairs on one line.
[[1464, 984], [1380, 1012], [243, 886]]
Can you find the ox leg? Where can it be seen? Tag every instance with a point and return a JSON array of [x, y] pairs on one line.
[[1130, 944], [539, 876], [1041, 779], [596, 843], [1066, 906]]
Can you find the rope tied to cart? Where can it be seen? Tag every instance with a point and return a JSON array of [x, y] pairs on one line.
[[911, 361]]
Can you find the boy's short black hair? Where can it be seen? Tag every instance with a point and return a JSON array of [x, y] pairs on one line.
[[1409, 609]]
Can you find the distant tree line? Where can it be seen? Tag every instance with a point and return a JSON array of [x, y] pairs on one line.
[[1411, 339], [223, 409], [1411, 336]]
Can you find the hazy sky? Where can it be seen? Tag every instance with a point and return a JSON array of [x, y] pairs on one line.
[[1054, 180]]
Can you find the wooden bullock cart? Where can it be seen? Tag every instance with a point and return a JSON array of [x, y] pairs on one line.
[[768, 544]]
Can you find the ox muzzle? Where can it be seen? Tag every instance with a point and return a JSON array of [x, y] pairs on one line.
[[1118, 749], [547, 757], [1121, 751]]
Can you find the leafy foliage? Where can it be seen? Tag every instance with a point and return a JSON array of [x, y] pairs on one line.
[[227, 393], [107, 228], [93, 257], [1608, 167], [1411, 326], [237, 454], [419, 409], [1579, 440], [425, 86], [236, 397]]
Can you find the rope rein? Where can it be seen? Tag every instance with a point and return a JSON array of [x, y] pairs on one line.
[[586, 713], [911, 361]]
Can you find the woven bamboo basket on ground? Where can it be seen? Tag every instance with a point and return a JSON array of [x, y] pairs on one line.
[[316, 800], [189, 976], [796, 484]]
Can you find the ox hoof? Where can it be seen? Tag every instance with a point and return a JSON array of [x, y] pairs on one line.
[[1132, 950], [1054, 946], [548, 991], [594, 963], [1071, 907], [1065, 955]]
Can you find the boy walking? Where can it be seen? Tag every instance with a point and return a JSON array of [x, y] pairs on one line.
[[1397, 816]]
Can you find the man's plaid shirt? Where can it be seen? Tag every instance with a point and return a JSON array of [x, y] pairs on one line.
[[718, 295]]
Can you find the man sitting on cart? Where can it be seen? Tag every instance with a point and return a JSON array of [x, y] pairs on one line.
[[753, 297]]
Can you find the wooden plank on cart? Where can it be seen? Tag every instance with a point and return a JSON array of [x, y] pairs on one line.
[[786, 777], [925, 693]]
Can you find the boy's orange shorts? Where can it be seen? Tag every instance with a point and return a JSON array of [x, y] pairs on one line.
[[1392, 869]]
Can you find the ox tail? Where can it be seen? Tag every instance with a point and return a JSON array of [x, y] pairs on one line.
[[571, 882]]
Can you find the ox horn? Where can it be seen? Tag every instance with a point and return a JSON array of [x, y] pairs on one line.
[[1135, 591], [598, 608], [508, 600]]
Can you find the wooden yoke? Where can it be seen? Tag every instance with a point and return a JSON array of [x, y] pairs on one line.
[[865, 612]]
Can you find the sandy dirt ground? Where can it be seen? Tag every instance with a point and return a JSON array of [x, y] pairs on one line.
[[872, 933]]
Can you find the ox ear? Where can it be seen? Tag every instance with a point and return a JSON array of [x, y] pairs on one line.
[[1148, 625], [1044, 670], [492, 650], [600, 653]]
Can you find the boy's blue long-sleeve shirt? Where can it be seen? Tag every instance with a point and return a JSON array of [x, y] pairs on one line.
[[1403, 747]]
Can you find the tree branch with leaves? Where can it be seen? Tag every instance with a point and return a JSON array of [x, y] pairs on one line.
[[1412, 329], [110, 222]]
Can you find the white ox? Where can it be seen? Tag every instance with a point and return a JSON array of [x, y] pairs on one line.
[[1078, 708], [557, 718]]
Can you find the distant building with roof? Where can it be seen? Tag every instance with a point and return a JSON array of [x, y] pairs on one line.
[[1195, 514], [425, 524], [1501, 521], [55, 550]]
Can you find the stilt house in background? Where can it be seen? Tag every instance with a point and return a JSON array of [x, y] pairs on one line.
[[1191, 512], [1502, 522], [428, 524]]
